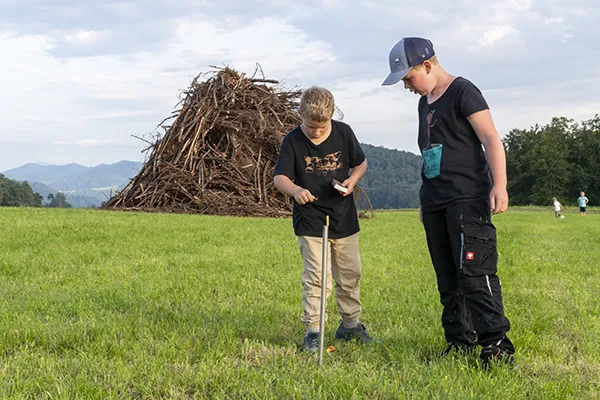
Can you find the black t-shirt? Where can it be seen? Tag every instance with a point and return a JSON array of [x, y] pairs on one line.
[[457, 170], [313, 167]]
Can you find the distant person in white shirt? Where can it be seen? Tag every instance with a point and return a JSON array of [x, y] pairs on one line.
[[557, 208]]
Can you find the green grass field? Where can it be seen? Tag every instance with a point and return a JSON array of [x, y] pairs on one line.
[[100, 305]]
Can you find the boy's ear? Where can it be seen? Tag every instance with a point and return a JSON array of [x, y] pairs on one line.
[[427, 65]]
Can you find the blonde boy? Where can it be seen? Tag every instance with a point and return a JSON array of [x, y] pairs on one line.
[[312, 155], [457, 195], [557, 208]]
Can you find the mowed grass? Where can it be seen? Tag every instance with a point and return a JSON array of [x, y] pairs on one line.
[[101, 305]]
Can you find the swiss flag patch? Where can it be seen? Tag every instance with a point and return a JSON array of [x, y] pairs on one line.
[[470, 255]]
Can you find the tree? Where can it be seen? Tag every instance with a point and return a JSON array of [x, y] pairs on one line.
[[559, 159], [17, 194], [58, 201], [393, 178]]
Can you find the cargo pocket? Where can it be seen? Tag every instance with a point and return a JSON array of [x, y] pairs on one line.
[[479, 254]]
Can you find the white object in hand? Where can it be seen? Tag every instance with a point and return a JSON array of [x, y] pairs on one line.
[[340, 188]]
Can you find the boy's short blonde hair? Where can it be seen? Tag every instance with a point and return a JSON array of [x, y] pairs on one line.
[[433, 60], [317, 104]]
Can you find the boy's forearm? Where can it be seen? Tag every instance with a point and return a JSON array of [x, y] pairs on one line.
[[285, 185], [497, 160], [485, 130], [358, 172]]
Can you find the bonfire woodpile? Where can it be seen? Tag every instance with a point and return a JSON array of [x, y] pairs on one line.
[[217, 156]]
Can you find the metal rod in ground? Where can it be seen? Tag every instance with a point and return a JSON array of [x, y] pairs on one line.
[[323, 290]]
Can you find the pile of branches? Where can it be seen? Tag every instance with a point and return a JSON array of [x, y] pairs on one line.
[[218, 155]]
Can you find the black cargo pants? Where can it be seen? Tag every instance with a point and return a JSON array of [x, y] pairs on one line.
[[462, 244]]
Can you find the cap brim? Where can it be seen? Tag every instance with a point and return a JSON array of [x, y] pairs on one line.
[[395, 77]]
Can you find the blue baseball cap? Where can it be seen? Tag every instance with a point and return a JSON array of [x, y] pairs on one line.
[[407, 53]]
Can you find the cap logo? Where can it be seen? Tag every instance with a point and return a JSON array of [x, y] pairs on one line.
[[396, 60]]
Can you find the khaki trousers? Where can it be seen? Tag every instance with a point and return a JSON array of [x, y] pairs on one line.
[[345, 267]]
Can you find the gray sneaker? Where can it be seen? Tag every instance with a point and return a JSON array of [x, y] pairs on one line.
[[359, 333], [311, 342]]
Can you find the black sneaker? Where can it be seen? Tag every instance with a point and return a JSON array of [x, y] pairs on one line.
[[358, 333], [492, 354], [460, 349], [311, 342]]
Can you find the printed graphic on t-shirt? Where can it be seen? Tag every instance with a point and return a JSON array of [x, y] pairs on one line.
[[430, 122], [330, 162]]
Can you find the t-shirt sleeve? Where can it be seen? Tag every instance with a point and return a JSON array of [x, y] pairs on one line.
[[471, 100], [355, 152], [285, 164]]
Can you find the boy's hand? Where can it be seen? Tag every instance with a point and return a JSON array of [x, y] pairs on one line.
[[348, 183], [303, 196], [498, 200]]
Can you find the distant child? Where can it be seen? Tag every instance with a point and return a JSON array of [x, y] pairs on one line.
[[582, 200], [557, 208], [456, 198], [312, 155]]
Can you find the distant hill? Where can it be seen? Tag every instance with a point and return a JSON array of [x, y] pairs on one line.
[[43, 190], [393, 177], [82, 198], [392, 180], [77, 177], [83, 186]]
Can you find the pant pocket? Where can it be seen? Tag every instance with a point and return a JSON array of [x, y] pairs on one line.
[[479, 254], [432, 159]]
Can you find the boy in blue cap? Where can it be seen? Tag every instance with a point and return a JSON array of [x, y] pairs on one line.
[[458, 197]]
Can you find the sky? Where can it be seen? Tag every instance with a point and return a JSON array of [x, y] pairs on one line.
[[79, 79]]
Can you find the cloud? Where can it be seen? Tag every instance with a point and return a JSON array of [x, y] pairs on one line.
[[384, 115], [284, 48], [83, 37], [554, 20], [493, 35], [57, 89], [73, 72], [125, 9], [91, 142], [119, 115]]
